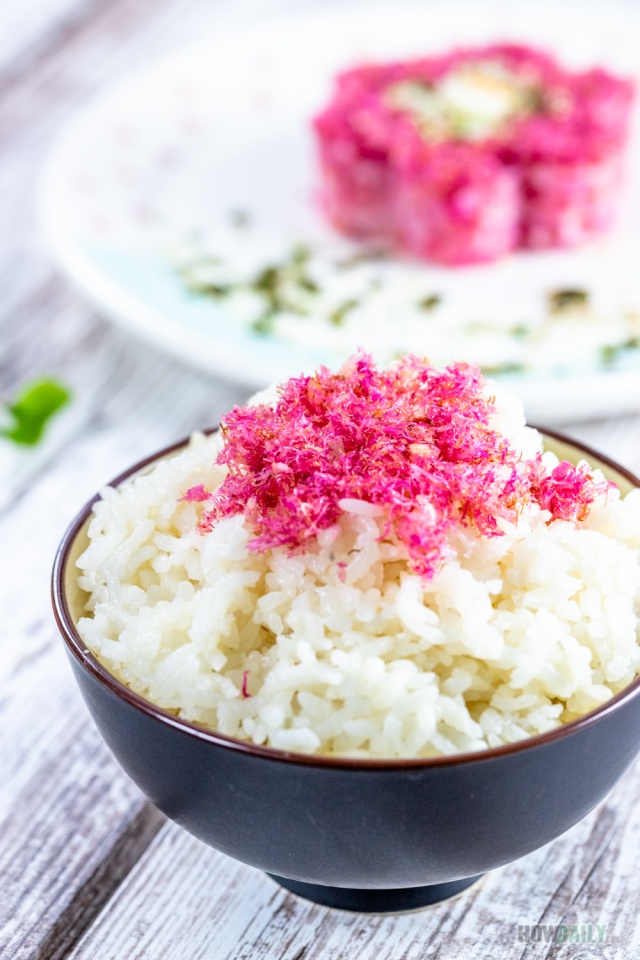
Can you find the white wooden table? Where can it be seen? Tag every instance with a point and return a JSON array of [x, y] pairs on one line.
[[88, 869]]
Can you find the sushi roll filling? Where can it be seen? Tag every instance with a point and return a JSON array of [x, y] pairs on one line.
[[474, 101]]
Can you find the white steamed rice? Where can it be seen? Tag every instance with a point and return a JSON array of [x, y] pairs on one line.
[[516, 635]]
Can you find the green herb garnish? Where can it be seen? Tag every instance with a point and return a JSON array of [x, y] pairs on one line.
[[610, 352], [278, 283], [32, 409], [430, 302], [264, 324], [300, 253], [502, 368], [306, 283], [367, 255], [216, 290], [561, 300], [338, 316]]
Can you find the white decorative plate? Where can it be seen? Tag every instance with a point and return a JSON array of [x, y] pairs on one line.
[[222, 130]]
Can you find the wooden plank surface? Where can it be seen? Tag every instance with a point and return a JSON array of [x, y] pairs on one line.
[[185, 901], [87, 868], [71, 824]]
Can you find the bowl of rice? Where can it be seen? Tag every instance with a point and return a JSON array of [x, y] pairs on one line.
[[375, 636]]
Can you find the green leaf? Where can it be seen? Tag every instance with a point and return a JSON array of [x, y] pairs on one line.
[[33, 408]]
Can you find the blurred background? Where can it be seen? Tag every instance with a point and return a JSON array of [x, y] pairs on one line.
[[55, 55]]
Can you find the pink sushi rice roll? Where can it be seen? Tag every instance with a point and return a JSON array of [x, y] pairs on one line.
[[572, 162], [465, 157], [454, 204], [354, 136]]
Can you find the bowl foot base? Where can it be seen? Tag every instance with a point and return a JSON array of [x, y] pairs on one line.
[[378, 901]]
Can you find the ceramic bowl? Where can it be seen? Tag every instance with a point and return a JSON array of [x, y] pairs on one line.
[[368, 835]]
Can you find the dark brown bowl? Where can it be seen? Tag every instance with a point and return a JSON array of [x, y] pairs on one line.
[[371, 835]]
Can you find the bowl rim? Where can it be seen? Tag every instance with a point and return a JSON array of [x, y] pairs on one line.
[[79, 651]]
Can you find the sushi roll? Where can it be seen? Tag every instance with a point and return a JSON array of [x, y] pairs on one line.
[[465, 157], [354, 136], [572, 161], [454, 205]]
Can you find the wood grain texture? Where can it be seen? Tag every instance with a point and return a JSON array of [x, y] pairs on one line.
[[70, 823], [87, 868], [187, 902]]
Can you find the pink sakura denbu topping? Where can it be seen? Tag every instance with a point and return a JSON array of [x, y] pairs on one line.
[[566, 493], [196, 494], [412, 439]]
